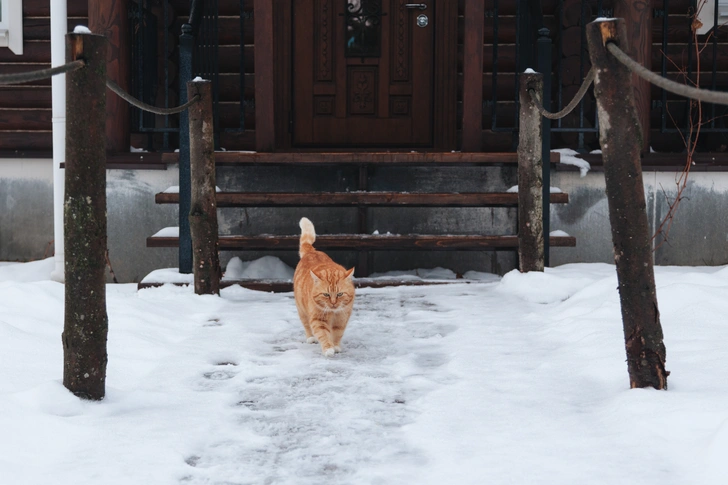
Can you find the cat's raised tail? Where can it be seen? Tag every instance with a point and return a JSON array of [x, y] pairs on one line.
[[308, 236]]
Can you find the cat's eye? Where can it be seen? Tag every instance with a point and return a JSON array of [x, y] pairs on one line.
[[339, 295], [327, 295]]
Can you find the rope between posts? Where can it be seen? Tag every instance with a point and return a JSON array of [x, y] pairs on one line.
[[147, 107], [704, 95], [24, 77], [574, 102]]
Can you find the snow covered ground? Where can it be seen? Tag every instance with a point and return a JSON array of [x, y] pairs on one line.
[[521, 380]]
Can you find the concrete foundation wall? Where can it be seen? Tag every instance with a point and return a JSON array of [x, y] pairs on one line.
[[26, 216], [699, 232], [698, 236]]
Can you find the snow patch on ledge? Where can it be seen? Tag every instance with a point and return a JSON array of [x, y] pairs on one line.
[[81, 29], [169, 275], [168, 232], [552, 190], [570, 157], [175, 189], [559, 233]]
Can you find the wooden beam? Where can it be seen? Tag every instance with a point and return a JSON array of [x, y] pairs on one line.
[[286, 286], [637, 15], [383, 158], [111, 19], [264, 67], [361, 242], [473, 75], [446, 76], [348, 199]]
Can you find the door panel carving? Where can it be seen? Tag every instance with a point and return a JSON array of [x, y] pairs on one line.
[[363, 74]]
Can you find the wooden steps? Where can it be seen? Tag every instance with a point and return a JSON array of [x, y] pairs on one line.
[[367, 242], [360, 242], [368, 199]]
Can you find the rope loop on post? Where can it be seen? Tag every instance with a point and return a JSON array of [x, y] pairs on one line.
[[574, 102], [24, 77], [704, 95], [147, 107]]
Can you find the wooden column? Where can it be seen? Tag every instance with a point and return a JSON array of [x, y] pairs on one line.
[[264, 67], [473, 76], [86, 323], [619, 134], [637, 15], [203, 206], [530, 182], [110, 18]]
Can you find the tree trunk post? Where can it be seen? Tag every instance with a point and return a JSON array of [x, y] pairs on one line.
[[86, 323], [530, 176], [621, 140], [203, 206]]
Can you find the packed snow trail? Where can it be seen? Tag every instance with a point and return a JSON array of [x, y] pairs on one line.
[[522, 380], [319, 420]]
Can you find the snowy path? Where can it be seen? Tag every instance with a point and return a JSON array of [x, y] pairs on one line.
[[521, 380], [319, 420]]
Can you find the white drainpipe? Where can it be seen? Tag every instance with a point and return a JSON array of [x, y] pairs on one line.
[[59, 27]]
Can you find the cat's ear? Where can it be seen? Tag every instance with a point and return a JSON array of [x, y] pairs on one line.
[[349, 273], [314, 277]]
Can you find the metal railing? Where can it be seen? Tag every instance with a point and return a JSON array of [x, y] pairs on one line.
[[147, 68], [571, 64], [584, 120], [675, 114], [158, 62]]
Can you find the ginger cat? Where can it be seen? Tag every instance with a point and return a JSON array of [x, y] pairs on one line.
[[324, 293]]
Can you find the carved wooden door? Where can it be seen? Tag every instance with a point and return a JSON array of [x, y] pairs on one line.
[[363, 73]]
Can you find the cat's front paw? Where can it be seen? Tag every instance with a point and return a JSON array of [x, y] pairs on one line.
[[328, 352], [311, 340], [337, 348]]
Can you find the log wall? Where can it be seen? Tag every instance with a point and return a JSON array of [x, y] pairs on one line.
[[25, 110]]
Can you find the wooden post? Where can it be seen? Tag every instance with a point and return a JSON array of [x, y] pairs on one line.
[[111, 18], [621, 141], [473, 76], [364, 265], [543, 52], [264, 66], [84, 211], [186, 46], [530, 172], [203, 206], [637, 15]]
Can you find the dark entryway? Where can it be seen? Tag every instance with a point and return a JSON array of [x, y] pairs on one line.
[[364, 73]]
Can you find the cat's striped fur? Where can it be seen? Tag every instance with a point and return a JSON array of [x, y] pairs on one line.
[[324, 293]]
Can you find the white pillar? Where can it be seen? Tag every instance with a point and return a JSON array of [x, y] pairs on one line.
[[59, 27]]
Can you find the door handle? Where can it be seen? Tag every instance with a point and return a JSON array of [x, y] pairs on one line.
[[421, 6]]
